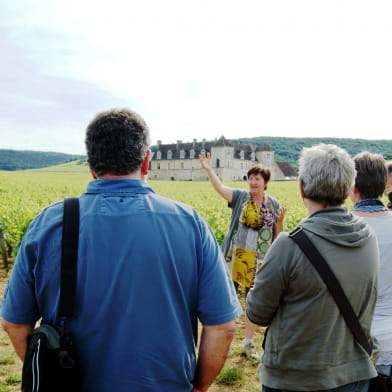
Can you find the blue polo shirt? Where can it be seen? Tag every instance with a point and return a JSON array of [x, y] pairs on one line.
[[148, 269]]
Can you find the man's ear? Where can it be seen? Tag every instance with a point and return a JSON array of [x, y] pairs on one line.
[[354, 194], [93, 174], [301, 189], [354, 190], [146, 162]]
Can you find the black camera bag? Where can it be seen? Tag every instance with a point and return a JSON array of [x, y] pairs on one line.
[[50, 364]]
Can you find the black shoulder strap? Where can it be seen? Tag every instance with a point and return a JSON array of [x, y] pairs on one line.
[[333, 285], [69, 255]]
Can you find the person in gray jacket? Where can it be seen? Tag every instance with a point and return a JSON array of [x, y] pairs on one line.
[[308, 346]]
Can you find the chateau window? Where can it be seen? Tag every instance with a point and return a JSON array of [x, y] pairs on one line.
[[218, 163], [169, 154], [182, 165], [241, 155], [168, 166], [192, 154], [158, 166], [159, 155], [182, 154]]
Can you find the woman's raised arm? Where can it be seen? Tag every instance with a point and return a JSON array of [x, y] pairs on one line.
[[225, 191]]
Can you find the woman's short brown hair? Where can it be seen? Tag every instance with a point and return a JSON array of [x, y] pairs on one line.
[[260, 169]]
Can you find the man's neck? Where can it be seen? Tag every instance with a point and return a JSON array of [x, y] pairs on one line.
[[136, 175], [313, 206], [132, 176]]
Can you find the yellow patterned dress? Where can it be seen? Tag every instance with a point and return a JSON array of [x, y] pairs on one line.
[[252, 240]]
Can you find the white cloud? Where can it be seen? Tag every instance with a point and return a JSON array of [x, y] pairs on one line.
[[203, 69]]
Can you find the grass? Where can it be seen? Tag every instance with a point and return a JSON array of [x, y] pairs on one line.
[[230, 376], [13, 379]]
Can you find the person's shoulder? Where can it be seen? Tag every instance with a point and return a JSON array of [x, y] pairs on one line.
[[283, 239], [239, 194], [51, 212], [163, 204], [240, 191], [49, 218], [283, 249], [275, 202], [273, 199], [284, 244], [380, 224]]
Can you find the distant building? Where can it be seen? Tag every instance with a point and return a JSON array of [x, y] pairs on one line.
[[180, 161]]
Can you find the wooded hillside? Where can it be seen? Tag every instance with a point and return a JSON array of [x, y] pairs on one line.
[[22, 160], [287, 149]]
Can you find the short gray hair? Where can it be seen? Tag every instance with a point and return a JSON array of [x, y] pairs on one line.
[[327, 174]]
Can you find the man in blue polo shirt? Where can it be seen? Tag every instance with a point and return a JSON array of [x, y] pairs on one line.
[[149, 269]]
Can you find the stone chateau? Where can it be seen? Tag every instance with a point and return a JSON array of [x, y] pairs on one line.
[[180, 161]]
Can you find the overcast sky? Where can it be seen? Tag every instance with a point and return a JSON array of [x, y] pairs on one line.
[[195, 69]]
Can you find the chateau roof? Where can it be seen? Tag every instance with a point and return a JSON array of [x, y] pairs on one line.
[[287, 170], [246, 148], [264, 147], [176, 148], [223, 142]]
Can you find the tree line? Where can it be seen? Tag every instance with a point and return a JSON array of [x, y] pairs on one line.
[[288, 149], [23, 160]]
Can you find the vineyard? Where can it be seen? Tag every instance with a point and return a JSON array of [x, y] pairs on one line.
[[24, 194]]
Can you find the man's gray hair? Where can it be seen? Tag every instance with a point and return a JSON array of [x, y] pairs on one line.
[[327, 173]]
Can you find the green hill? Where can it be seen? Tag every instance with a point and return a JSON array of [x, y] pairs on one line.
[[287, 149], [77, 166], [23, 160]]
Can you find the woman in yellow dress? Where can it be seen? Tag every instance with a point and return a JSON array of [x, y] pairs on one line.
[[256, 221]]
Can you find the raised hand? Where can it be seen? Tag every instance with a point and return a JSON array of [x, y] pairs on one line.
[[206, 161], [279, 215]]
